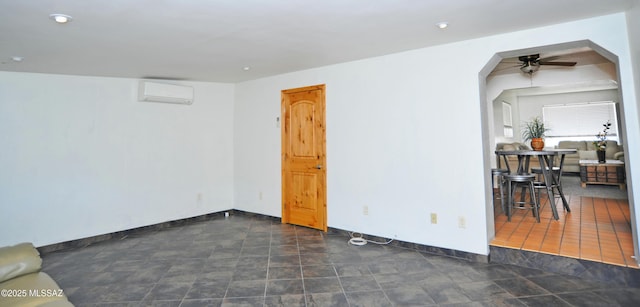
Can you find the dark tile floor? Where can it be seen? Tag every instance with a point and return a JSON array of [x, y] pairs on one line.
[[253, 261]]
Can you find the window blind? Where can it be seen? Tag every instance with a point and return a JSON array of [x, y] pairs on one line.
[[585, 119]]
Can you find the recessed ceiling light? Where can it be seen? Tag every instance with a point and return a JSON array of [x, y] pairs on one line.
[[246, 68], [442, 24], [17, 58], [61, 18]]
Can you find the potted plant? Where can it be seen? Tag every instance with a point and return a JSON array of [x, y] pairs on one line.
[[601, 143], [535, 131]]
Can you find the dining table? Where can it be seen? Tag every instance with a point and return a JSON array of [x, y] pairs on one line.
[[546, 159]]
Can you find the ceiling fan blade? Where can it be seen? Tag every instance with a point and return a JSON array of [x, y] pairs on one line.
[[558, 63], [549, 59], [510, 67]]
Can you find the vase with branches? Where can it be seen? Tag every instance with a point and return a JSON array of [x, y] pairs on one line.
[[601, 143]]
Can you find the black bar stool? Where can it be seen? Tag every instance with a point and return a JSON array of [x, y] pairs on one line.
[[512, 181], [540, 184], [497, 174]]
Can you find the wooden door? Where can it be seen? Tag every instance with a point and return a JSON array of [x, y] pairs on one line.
[[304, 196]]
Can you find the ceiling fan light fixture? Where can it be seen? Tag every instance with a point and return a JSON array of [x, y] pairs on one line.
[[529, 68]]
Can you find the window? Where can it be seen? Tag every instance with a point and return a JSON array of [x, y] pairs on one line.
[[507, 120], [580, 120]]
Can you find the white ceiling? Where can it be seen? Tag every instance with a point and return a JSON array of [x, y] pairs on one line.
[[213, 40]]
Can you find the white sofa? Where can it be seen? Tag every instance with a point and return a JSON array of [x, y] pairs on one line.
[[586, 151], [23, 284]]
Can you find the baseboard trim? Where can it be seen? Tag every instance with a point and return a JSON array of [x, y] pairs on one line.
[[420, 247], [83, 242]]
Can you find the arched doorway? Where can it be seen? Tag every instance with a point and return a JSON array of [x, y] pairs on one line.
[[488, 93]]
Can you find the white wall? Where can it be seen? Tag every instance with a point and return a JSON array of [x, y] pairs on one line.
[[82, 157], [384, 147], [403, 136], [633, 23]]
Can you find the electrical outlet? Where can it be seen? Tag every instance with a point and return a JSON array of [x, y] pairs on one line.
[[199, 198], [434, 218], [462, 223], [365, 210], [260, 195]]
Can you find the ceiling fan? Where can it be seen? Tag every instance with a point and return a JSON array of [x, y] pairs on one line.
[[531, 63]]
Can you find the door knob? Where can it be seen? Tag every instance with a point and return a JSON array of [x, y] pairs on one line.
[[319, 166]]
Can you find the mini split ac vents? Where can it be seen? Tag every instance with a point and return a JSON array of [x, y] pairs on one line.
[[164, 92]]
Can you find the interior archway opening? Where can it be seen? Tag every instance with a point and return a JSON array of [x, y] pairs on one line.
[[511, 94]]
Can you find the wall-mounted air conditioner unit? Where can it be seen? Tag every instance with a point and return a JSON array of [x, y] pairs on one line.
[[164, 92]]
